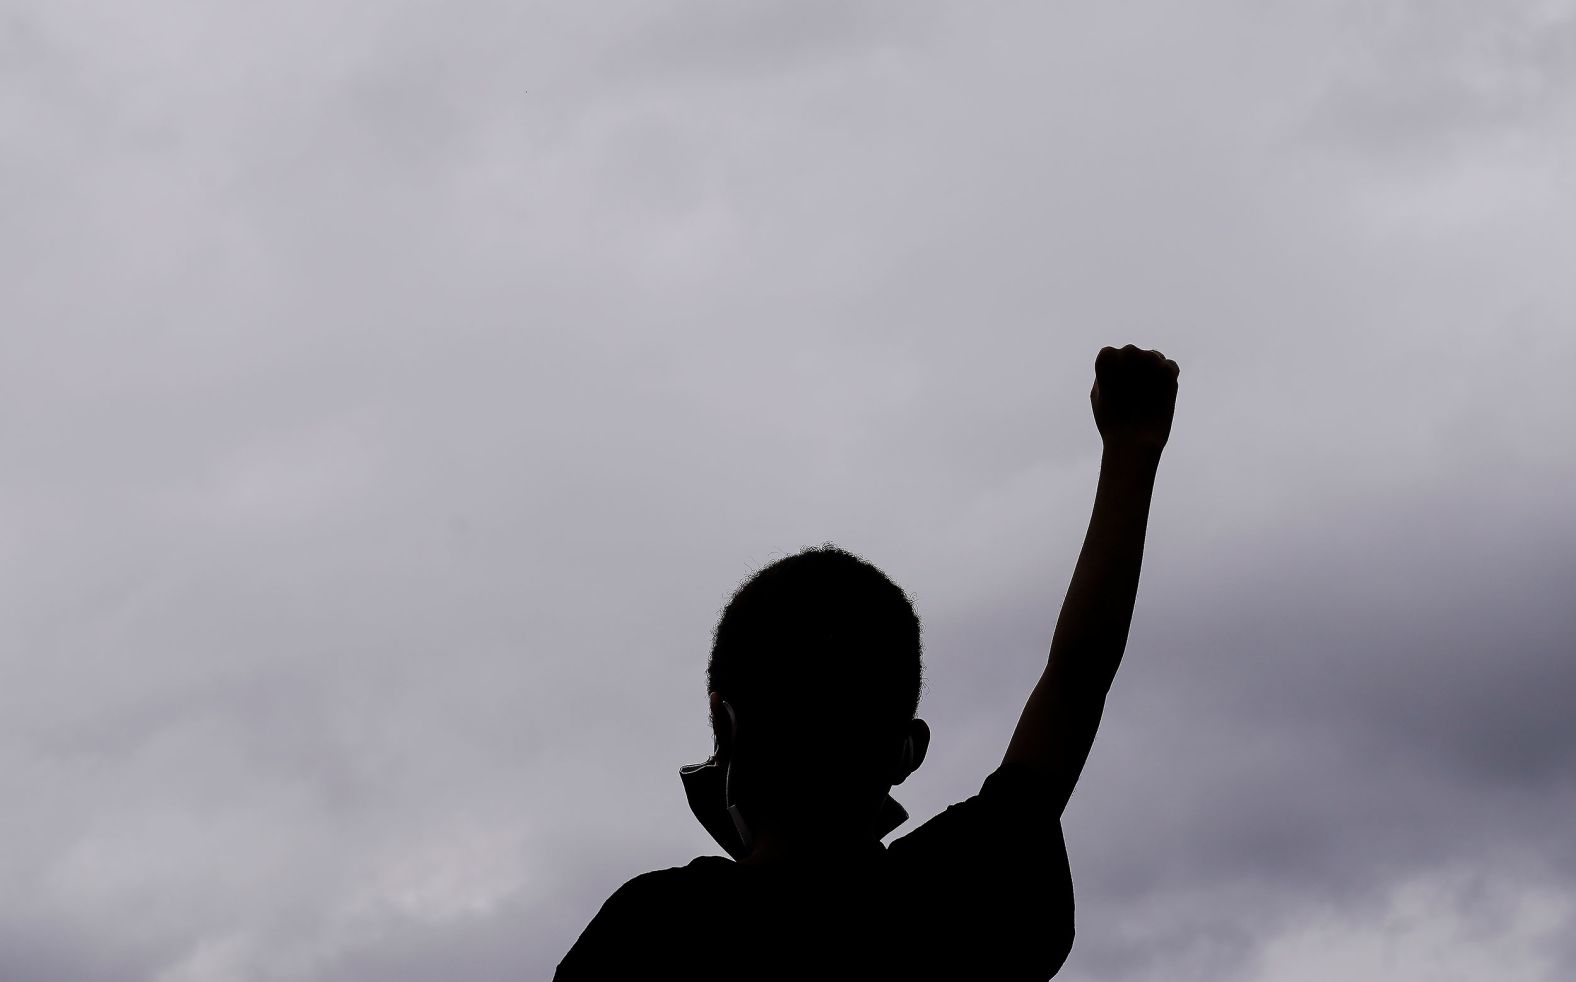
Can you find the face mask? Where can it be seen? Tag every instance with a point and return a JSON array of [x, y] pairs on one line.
[[708, 787]]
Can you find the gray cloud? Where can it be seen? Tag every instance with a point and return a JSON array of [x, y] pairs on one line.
[[1433, 78], [390, 398]]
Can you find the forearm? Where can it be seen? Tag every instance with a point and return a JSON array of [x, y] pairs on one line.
[[1063, 712], [1091, 632]]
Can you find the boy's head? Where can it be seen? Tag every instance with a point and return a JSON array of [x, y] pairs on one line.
[[818, 654]]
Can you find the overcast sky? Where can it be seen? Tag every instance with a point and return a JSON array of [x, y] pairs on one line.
[[391, 394]]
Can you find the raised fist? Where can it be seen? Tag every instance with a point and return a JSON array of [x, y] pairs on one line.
[[1134, 395]]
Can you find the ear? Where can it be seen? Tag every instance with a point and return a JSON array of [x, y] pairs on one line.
[[916, 742], [724, 725]]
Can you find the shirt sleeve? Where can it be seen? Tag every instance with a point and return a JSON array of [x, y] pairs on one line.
[[988, 878]]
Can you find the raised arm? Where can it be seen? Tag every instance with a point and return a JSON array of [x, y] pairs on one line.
[[1133, 398]]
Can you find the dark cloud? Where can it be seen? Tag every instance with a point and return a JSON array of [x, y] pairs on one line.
[[391, 397]]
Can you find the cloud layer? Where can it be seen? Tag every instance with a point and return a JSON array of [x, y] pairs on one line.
[[391, 395]]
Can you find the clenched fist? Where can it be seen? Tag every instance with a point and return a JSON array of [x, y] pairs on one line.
[[1134, 395]]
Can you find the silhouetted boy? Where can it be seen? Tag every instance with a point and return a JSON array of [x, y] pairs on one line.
[[814, 680]]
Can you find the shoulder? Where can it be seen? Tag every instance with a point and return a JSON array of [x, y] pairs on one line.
[[1013, 802], [636, 921], [659, 886], [647, 895], [1023, 787], [991, 873]]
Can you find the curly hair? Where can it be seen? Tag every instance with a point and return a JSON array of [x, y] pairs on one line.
[[817, 633]]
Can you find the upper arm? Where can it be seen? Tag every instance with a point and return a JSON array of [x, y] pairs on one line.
[[1056, 730]]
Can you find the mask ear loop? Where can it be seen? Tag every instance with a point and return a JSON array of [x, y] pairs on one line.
[[892, 814], [739, 823], [700, 788]]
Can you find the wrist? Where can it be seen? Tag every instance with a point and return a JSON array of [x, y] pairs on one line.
[[1130, 455]]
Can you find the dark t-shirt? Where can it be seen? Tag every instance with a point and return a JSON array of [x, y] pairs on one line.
[[981, 891]]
